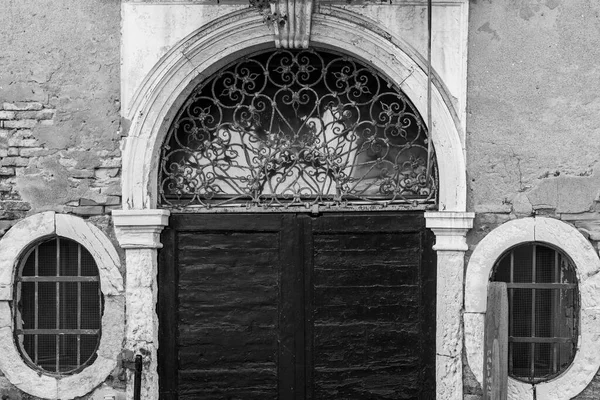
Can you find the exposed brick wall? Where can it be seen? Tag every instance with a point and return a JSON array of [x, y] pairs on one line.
[[19, 148], [59, 108]]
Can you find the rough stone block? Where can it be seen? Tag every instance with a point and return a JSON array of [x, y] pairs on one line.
[[450, 304], [7, 171], [111, 163], [18, 142], [87, 210], [449, 378], [113, 326], [81, 173], [7, 115], [39, 115], [13, 151], [20, 123], [22, 106], [576, 193], [112, 200], [106, 173], [14, 162], [22, 133], [521, 205], [87, 202], [141, 316], [114, 188], [15, 205], [31, 151], [474, 324], [545, 195]]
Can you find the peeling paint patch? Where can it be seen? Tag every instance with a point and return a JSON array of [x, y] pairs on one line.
[[526, 13], [552, 4], [487, 29], [566, 194]]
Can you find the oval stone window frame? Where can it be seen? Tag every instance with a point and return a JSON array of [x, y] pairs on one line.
[[13, 247], [571, 242], [515, 266]]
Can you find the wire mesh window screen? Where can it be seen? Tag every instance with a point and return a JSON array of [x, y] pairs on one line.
[[543, 310], [59, 307], [296, 128]]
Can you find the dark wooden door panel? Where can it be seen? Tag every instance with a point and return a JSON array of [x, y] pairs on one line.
[[367, 314], [227, 294], [292, 307]]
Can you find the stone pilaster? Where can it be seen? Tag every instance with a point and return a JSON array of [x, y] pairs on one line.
[[138, 232], [450, 230]]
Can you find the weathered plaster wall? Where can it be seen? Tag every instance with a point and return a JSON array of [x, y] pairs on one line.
[[59, 117], [533, 118], [59, 107], [533, 106]]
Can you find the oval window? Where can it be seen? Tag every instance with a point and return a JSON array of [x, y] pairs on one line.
[[58, 307], [543, 310]]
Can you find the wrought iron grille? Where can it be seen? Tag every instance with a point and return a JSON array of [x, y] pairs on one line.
[[58, 307], [296, 128], [543, 311]]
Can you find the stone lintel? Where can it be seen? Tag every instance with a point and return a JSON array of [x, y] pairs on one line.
[[140, 229], [450, 229]]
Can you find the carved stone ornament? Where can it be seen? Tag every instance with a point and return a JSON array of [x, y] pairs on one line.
[[292, 25]]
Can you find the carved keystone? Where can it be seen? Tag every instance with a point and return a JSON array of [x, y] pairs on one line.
[[292, 32]]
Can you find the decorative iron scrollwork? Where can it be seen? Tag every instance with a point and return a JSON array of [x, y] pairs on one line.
[[292, 128]]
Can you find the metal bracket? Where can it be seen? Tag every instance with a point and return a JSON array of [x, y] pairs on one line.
[[132, 363], [127, 360]]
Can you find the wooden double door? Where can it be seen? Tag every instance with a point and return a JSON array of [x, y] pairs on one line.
[[291, 306]]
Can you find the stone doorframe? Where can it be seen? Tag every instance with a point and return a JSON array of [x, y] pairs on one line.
[[202, 53]]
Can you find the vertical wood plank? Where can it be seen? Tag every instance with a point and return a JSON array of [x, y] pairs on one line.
[[291, 310], [428, 275], [167, 314], [495, 352], [308, 308], [370, 308]]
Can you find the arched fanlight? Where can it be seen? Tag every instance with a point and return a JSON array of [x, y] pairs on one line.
[[297, 129]]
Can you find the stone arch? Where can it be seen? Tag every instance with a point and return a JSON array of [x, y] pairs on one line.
[[205, 51], [200, 54]]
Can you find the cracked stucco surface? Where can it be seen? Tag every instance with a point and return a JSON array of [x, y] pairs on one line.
[[65, 56], [533, 119], [62, 58], [533, 108]]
